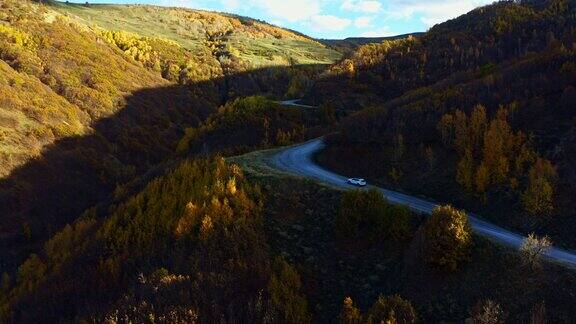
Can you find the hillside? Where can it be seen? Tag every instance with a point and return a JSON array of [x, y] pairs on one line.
[[240, 42], [94, 96], [208, 241], [350, 44], [144, 45], [122, 202], [451, 51], [477, 113]]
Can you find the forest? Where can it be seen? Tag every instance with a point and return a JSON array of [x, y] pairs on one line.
[[482, 107], [130, 188]]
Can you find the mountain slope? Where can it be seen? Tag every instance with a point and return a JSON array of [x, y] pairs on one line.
[[477, 110], [244, 41], [473, 42], [348, 45], [92, 56], [89, 105], [106, 223]]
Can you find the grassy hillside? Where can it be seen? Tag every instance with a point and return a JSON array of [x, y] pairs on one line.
[[92, 97], [92, 56], [253, 43]]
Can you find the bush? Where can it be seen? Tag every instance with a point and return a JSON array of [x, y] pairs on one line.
[[368, 214], [392, 309], [447, 238], [487, 312], [533, 249], [350, 314], [16, 36]]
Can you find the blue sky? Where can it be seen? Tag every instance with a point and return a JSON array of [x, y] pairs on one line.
[[335, 18]]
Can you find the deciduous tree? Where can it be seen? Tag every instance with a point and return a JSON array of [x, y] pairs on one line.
[[533, 249], [447, 238], [392, 309], [538, 199], [350, 314], [487, 312], [465, 172]]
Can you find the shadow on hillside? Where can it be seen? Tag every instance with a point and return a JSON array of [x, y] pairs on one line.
[[76, 173]]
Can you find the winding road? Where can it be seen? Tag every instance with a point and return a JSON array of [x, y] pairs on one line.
[[298, 160]]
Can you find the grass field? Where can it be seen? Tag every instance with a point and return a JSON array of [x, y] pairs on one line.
[[254, 42]]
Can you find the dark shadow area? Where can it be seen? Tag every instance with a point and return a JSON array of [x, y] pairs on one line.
[[76, 173]]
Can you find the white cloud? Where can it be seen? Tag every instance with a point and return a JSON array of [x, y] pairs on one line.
[[276, 22], [366, 6], [329, 23], [291, 11], [363, 22], [195, 4], [431, 12], [380, 32], [231, 4]]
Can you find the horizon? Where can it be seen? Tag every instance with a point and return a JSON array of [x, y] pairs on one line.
[[331, 19]]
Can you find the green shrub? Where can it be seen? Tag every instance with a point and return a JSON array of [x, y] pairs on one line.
[[447, 238], [16, 36]]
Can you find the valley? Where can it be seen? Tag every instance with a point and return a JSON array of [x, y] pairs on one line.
[[157, 166]]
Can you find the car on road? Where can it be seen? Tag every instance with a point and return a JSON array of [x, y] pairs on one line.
[[358, 182]]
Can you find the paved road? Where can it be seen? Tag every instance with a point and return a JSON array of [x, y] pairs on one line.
[[295, 103], [298, 160]]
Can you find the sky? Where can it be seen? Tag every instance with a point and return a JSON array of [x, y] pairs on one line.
[[335, 19]]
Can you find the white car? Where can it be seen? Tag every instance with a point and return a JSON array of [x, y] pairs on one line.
[[359, 182]]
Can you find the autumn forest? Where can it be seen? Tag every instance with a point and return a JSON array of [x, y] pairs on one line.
[[140, 182]]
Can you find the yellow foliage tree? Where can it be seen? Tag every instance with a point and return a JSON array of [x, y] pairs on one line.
[[447, 238], [478, 125], [392, 309], [465, 171], [538, 199], [350, 314]]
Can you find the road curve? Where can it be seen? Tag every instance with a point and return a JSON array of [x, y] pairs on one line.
[[295, 103], [298, 160]]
